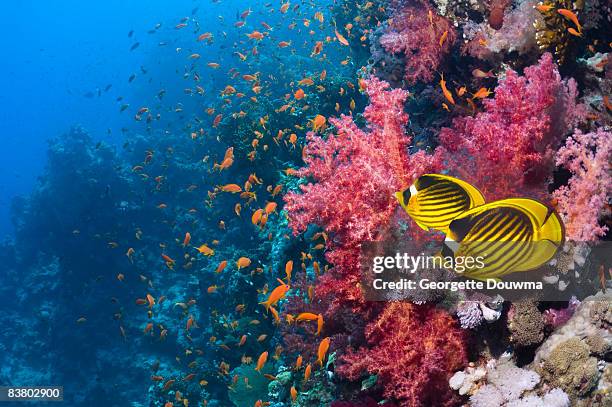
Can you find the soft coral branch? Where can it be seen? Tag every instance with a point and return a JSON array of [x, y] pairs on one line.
[[584, 201]]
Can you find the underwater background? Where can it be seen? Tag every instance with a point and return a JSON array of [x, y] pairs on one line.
[[186, 188]]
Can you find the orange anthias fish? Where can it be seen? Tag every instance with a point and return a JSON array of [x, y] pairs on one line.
[[256, 217], [299, 94], [270, 207], [319, 324], [205, 250], [294, 394], [276, 295], [482, 93], [187, 239], [204, 36], [288, 271], [307, 372], [285, 7], [221, 266], [544, 8], [232, 188], [318, 122], [322, 351], [261, 361], [243, 262], [306, 316], [447, 93], [341, 38], [443, 37], [255, 35]]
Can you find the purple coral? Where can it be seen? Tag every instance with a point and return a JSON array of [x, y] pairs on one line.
[[584, 201]]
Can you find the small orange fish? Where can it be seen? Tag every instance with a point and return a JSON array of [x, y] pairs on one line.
[[256, 218], [322, 351], [242, 340], [168, 384], [288, 271], [187, 239], [261, 361], [243, 262], [447, 94], [204, 36], [294, 394], [276, 295], [221, 266], [217, 120], [205, 250], [341, 39], [270, 207], [284, 7], [482, 93], [231, 188], [255, 35], [307, 316], [319, 324], [307, 372], [443, 37], [150, 300], [284, 44], [544, 8], [298, 362], [299, 94]]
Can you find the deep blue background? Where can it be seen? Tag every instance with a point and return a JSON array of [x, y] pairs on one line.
[[53, 54]]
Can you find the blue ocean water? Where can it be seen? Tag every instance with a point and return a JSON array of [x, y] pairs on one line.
[[106, 121], [60, 57]]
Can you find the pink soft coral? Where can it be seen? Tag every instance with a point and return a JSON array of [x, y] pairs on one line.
[[584, 201], [507, 149], [355, 172], [412, 34], [414, 350]]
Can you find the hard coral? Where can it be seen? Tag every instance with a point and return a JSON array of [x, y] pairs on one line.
[[422, 36], [414, 350], [506, 150], [584, 201]]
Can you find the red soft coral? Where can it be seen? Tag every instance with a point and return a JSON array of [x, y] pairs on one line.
[[414, 350], [507, 149], [423, 43], [354, 174], [584, 201]]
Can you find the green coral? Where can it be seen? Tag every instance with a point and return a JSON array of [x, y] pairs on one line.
[[551, 29], [571, 368]]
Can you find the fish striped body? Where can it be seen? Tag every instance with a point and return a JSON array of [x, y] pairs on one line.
[[512, 235], [434, 200]]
